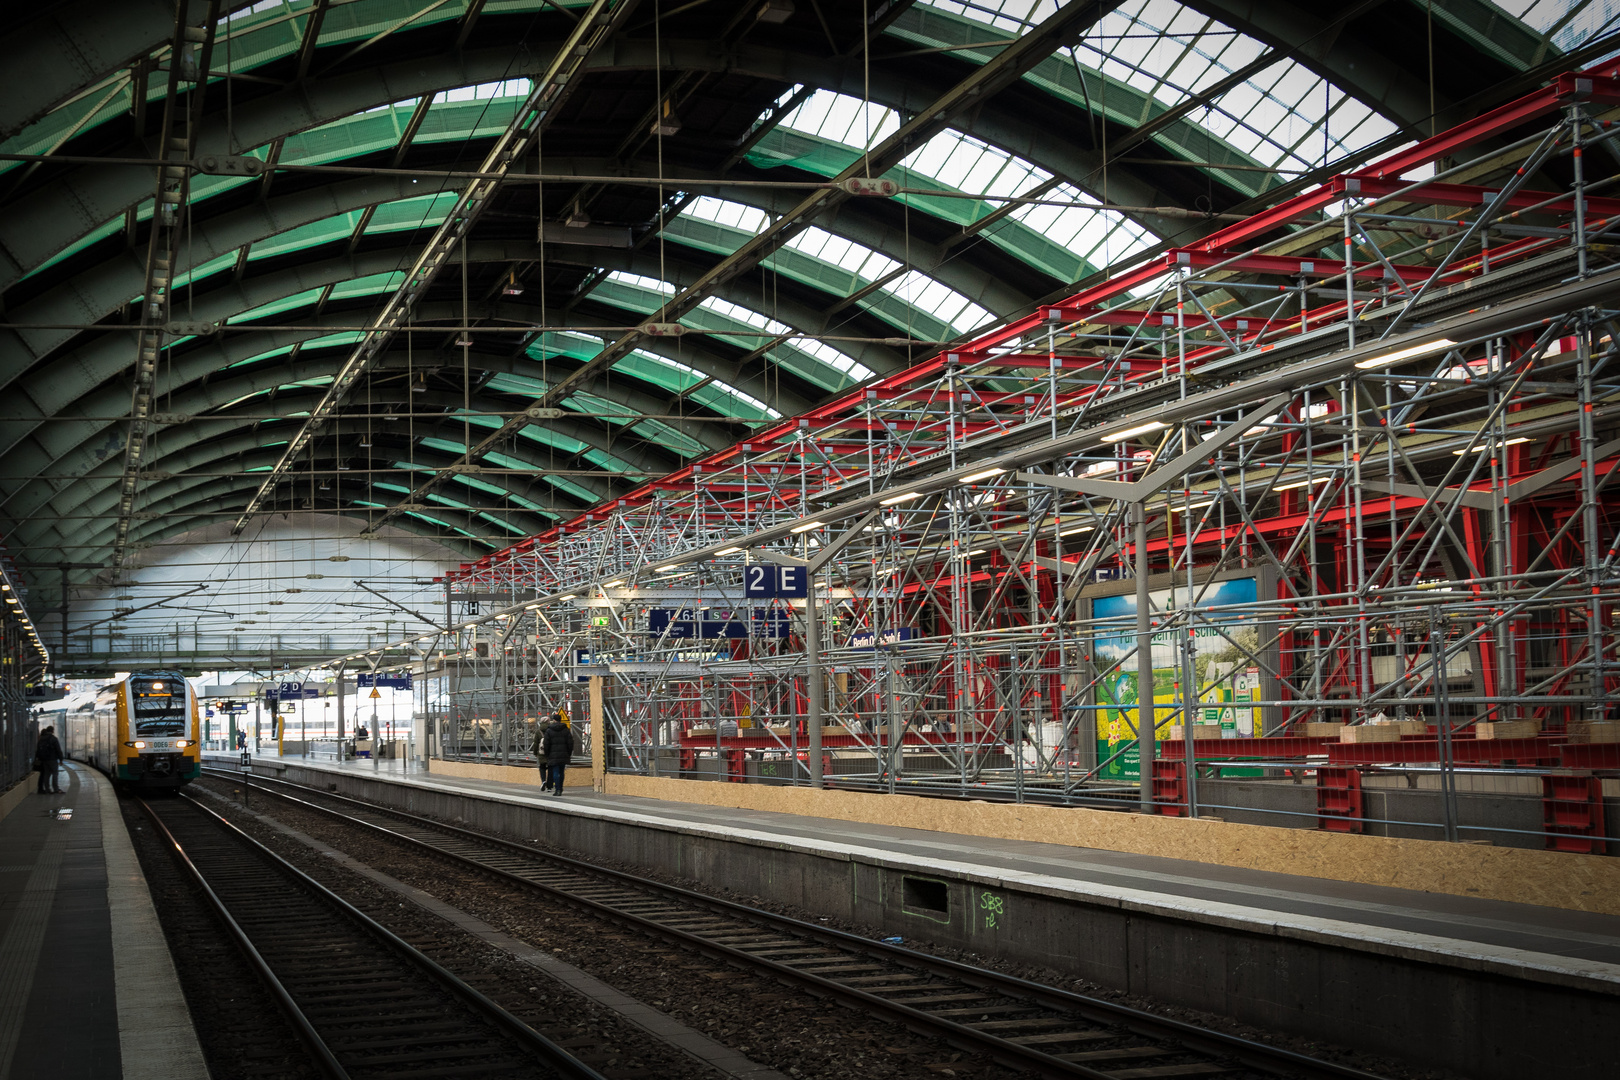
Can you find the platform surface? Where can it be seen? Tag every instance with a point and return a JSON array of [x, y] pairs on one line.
[[87, 986], [1554, 941]]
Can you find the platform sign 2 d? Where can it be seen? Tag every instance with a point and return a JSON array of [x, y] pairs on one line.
[[291, 691], [763, 581]]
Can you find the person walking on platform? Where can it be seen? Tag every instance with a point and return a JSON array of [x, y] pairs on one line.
[[48, 755], [553, 746]]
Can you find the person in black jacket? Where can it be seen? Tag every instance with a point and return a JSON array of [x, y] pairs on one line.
[[553, 746], [48, 755]]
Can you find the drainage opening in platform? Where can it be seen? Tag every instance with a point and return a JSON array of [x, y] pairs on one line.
[[925, 896]]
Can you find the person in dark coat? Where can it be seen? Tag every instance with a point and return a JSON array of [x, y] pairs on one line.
[[48, 755], [553, 746]]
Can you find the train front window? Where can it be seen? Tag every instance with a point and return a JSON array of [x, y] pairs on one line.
[[160, 706]]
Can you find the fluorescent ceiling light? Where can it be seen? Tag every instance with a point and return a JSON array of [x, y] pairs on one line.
[[983, 475], [531, 607], [907, 497], [1139, 429], [611, 584], [807, 526], [1491, 446], [1438, 345], [1077, 529], [671, 568], [729, 551], [1302, 483], [566, 596], [1195, 506]]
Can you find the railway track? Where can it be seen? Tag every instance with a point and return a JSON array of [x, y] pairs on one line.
[[1025, 1025], [364, 1002]]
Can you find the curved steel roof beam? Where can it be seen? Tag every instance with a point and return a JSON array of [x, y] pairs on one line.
[[97, 291], [33, 496], [43, 444], [180, 496]]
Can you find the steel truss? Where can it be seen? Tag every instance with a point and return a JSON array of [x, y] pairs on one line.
[[1357, 450]]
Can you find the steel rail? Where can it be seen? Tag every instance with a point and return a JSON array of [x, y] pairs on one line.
[[548, 1053], [322, 1053], [1196, 1039]]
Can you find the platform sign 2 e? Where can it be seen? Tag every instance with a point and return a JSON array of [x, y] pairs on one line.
[[763, 581]]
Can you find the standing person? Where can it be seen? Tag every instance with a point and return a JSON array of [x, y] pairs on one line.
[[48, 753], [556, 747]]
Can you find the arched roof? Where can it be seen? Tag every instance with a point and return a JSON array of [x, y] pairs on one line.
[[1125, 126]]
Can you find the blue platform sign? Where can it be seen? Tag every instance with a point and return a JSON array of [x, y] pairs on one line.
[[870, 639], [772, 582], [672, 622], [291, 691], [367, 680], [716, 623]]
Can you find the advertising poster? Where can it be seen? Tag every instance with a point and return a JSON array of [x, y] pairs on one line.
[[1225, 672]]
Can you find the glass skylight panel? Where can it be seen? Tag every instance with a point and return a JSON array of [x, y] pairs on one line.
[[1287, 116], [504, 88], [636, 281], [967, 164], [843, 118], [1098, 236], [724, 212], [939, 300], [856, 258], [744, 315], [1570, 23], [833, 358], [1014, 16]]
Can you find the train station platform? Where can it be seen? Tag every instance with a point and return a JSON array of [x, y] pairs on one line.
[[1332, 959], [87, 986]]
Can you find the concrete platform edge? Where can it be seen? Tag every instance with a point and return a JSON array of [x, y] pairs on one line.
[[16, 796], [1421, 948], [157, 1039]]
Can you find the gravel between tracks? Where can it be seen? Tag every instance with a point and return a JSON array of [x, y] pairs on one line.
[[238, 1024], [1395, 1070], [789, 1030]]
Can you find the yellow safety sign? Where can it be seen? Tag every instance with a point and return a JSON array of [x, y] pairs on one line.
[[375, 692]]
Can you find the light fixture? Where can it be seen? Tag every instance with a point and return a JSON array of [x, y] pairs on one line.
[[983, 474], [1077, 529], [671, 568], [611, 584], [1491, 446], [531, 607], [566, 596], [366, 442], [807, 526], [1302, 483], [977, 551], [1408, 353], [729, 551], [776, 11], [1139, 429], [907, 497], [1174, 509], [464, 340], [667, 122], [512, 288]]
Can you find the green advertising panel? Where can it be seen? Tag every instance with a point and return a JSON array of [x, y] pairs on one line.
[[1222, 664]]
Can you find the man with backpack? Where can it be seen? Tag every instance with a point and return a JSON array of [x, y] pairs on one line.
[[553, 746]]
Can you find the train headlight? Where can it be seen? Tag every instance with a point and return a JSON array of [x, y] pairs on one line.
[[180, 744], [139, 745]]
